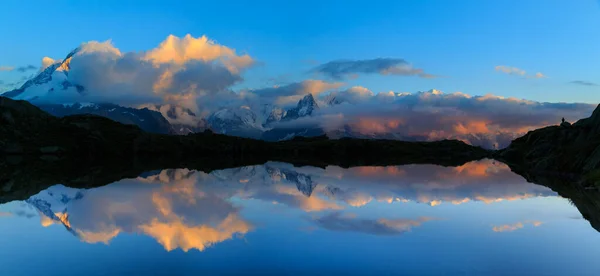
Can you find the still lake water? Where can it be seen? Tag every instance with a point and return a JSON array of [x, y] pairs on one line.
[[275, 218]]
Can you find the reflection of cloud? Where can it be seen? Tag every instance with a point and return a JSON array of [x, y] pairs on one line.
[[515, 226], [337, 221], [45, 221], [193, 210], [23, 69], [484, 181], [508, 227], [489, 200], [176, 234], [290, 195], [103, 236], [18, 213]]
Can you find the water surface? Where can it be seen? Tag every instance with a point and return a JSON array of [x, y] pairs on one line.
[[476, 219]]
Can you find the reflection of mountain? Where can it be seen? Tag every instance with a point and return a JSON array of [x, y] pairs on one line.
[[167, 207], [303, 182], [189, 209]]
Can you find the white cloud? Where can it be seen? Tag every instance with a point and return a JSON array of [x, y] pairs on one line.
[[510, 70], [46, 62], [519, 72]]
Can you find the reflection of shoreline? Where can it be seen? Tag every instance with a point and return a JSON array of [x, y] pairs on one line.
[[587, 201], [189, 209]]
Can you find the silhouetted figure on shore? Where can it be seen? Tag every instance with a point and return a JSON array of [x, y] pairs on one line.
[[563, 119]]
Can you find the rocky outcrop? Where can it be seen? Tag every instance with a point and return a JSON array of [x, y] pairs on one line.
[[565, 148]]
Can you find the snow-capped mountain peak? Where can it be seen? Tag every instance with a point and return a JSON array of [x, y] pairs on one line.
[[49, 80]]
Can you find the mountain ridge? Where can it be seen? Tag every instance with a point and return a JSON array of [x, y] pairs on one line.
[[27, 130]]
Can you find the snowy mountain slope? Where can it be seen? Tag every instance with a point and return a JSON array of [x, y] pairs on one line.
[[51, 80], [240, 121]]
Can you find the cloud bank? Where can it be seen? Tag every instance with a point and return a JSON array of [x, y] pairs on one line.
[[489, 121]]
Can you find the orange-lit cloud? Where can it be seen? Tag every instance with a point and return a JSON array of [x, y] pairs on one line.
[[181, 50], [508, 227], [176, 234], [489, 121], [308, 204]]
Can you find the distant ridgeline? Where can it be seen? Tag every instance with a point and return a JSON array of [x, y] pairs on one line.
[[27, 130], [266, 122]]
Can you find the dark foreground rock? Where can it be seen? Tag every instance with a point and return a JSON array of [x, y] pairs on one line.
[[565, 148]]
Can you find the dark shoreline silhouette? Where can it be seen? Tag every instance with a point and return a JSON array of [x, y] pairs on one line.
[[38, 150]]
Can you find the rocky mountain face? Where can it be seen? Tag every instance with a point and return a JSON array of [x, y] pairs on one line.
[[275, 115], [147, 120], [303, 182], [305, 107], [561, 148], [242, 122], [183, 120]]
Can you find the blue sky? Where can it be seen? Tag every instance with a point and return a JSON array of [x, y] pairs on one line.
[[463, 41]]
